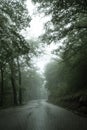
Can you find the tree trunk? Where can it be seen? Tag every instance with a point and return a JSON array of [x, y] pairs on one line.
[[2, 87], [20, 88], [12, 67]]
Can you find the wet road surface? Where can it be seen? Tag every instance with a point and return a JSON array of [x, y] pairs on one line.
[[40, 115]]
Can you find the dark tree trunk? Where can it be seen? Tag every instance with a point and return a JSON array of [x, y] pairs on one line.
[[12, 67], [20, 95], [20, 88], [2, 87]]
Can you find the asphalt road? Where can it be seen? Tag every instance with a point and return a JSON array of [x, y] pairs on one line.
[[40, 115]]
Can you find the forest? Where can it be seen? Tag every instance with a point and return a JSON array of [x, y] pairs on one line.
[[17, 74], [66, 76]]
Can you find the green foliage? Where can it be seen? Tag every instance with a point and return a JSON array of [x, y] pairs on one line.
[[67, 17], [13, 17], [31, 83], [68, 21], [15, 51], [67, 77], [15, 12]]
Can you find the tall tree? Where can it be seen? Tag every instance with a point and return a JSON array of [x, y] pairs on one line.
[[20, 82], [68, 23], [13, 18]]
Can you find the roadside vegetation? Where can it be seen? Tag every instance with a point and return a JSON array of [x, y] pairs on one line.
[[15, 54], [67, 76]]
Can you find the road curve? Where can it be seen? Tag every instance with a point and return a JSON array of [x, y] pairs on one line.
[[40, 115]]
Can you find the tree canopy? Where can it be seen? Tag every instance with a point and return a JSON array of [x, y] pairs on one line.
[[15, 50], [67, 27]]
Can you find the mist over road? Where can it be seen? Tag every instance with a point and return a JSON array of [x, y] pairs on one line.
[[40, 115]]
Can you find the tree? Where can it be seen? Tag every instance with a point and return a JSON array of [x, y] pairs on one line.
[[66, 17], [13, 17], [31, 84], [68, 23]]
